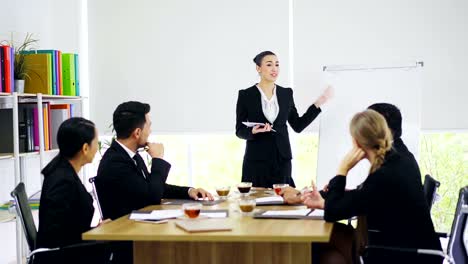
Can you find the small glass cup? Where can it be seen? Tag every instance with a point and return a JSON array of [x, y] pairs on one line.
[[244, 188], [247, 205], [192, 210], [279, 186], [223, 191]]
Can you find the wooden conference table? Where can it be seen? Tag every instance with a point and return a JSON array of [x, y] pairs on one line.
[[251, 241]]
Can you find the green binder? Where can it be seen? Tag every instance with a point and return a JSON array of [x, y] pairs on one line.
[[68, 74]]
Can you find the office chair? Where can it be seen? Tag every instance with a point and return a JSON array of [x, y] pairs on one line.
[[95, 195], [29, 227], [430, 190], [430, 193], [457, 251]]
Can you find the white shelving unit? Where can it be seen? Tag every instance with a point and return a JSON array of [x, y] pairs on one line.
[[13, 101]]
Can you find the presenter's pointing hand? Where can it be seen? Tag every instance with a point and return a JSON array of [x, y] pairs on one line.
[[324, 97]]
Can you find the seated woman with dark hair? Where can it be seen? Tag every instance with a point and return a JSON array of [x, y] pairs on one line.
[[66, 207]]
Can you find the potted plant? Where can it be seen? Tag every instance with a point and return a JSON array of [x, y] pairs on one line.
[[20, 67]]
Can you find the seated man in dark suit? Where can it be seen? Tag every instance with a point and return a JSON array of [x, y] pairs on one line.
[[123, 181]]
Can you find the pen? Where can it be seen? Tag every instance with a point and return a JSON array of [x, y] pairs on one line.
[[152, 222]]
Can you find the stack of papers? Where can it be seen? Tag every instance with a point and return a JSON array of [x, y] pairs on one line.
[[174, 213], [270, 200], [300, 212], [291, 214], [156, 214], [214, 214]]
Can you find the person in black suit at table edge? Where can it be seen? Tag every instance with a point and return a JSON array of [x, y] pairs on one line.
[[391, 197], [392, 115], [123, 181], [267, 158], [66, 207]]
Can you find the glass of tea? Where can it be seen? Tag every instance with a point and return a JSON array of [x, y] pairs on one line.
[[279, 186], [192, 210], [247, 205], [244, 188], [223, 191]]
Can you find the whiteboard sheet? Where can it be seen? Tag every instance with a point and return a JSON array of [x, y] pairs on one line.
[[356, 88]]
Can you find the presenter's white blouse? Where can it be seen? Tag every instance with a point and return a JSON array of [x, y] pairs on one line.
[[270, 107]]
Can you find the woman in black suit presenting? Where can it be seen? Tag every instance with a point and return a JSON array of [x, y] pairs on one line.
[[391, 197], [66, 207], [267, 158]]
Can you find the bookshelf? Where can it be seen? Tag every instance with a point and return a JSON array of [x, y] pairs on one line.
[[13, 101]]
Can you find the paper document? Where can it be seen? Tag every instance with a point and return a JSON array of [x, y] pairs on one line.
[[300, 212], [252, 124], [316, 212], [214, 215], [276, 199], [157, 215]]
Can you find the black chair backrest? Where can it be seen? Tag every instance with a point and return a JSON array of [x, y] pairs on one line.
[[430, 190], [95, 194], [456, 247], [24, 213]]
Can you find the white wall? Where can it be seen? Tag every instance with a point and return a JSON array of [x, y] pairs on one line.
[[377, 31], [55, 23], [161, 51], [187, 59]]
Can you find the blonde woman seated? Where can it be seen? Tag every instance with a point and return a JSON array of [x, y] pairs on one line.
[[391, 197]]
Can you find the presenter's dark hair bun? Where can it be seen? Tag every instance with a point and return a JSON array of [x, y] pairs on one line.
[[258, 59]]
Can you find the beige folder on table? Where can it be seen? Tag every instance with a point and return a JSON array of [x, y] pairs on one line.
[[204, 225]]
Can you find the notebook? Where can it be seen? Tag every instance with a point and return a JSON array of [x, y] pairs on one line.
[[204, 225]]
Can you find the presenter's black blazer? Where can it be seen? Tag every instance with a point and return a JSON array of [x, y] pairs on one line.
[[66, 208], [260, 146], [122, 188], [392, 198]]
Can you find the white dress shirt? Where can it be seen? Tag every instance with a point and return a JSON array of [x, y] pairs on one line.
[[270, 106], [131, 154]]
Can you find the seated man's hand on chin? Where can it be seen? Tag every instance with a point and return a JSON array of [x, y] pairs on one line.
[[196, 193]]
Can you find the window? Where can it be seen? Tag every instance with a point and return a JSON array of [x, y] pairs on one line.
[[214, 160], [444, 156]]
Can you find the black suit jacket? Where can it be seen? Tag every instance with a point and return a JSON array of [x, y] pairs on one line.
[[260, 146], [66, 207], [399, 147], [122, 188], [392, 198]]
